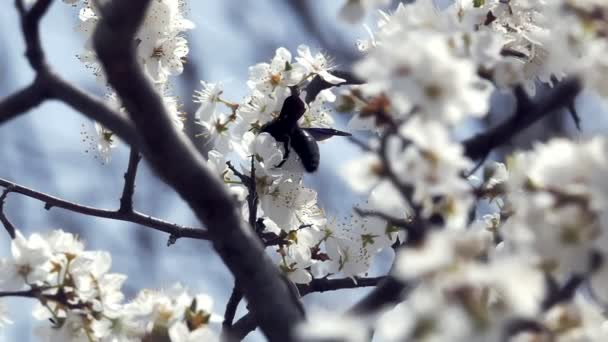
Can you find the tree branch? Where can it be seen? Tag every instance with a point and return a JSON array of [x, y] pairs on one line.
[[324, 284], [126, 201], [134, 216], [177, 163], [30, 20], [48, 85], [22, 101], [242, 327], [231, 306], [526, 114], [389, 291], [5, 221], [247, 323], [397, 222], [318, 84]]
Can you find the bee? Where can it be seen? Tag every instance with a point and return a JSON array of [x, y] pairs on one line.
[[284, 128]]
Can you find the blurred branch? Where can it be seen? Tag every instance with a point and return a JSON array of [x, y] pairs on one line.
[[5, 221], [324, 284], [527, 113], [397, 222], [133, 216], [126, 201], [177, 162], [247, 323], [317, 84], [389, 291], [242, 328], [558, 294], [231, 306], [30, 20]]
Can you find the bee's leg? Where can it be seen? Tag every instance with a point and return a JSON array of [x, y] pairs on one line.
[[286, 147]]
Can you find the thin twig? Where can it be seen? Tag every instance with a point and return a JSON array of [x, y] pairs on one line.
[[359, 143], [231, 306], [389, 291], [134, 216], [252, 197], [32, 293], [397, 222], [10, 228], [243, 327], [126, 200], [323, 284]]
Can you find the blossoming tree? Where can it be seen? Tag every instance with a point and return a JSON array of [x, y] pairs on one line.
[[531, 269]]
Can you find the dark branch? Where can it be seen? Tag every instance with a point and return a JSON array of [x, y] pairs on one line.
[[23, 293], [126, 201], [134, 217], [323, 284], [48, 85], [247, 323], [231, 306], [92, 107], [526, 114], [389, 291], [559, 294], [5, 221], [30, 21], [177, 162], [318, 84], [22, 101], [242, 327], [252, 197], [397, 222]]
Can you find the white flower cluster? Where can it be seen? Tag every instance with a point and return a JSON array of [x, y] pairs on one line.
[[311, 246], [426, 70], [161, 48], [512, 275], [83, 300]]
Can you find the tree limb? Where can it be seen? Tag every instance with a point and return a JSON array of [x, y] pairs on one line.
[[526, 114], [177, 163], [126, 200], [231, 306], [5, 221], [22, 101], [323, 284], [389, 291], [134, 216], [48, 85], [242, 327]]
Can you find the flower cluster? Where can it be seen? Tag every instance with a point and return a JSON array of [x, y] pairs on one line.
[[513, 274], [310, 244], [83, 300], [510, 275], [161, 51]]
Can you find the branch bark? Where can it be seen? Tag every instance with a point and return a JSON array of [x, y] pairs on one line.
[[526, 114], [134, 216], [126, 200], [177, 163], [10, 229]]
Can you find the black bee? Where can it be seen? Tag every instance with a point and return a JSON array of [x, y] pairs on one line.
[[303, 140]]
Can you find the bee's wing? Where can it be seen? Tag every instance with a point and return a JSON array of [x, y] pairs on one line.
[[321, 134]]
